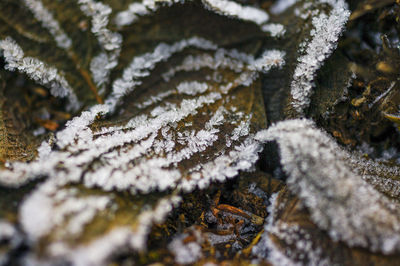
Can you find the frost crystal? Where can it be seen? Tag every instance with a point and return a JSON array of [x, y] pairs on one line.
[[48, 201], [382, 177], [185, 253], [185, 137], [136, 10], [222, 7], [324, 36], [230, 8], [179, 139], [339, 200], [288, 235], [140, 66], [192, 88], [7, 230], [265, 248], [100, 67], [38, 71], [111, 42], [269, 59], [99, 12], [276, 30], [48, 22]]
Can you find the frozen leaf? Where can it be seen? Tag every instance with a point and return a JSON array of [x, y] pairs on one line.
[[292, 238], [163, 123], [37, 71], [62, 51], [140, 104], [177, 115], [288, 93], [357, 88], [323, 40], [187, 132], [86, 226], [332, 184]]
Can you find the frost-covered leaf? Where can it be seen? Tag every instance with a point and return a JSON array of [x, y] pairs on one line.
[[165, 124], [62, 50], [292, 238], [178, 116], [319, 26], [187, 132], [333, 184], [357, 89], [167, 97], [86, 226]]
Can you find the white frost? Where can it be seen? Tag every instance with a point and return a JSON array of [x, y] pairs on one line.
[[275, 30], [223, 7], [233, 9], [120, 168], [43, 15], [111, 42], [37, 70], [324, 37], [339, 200]]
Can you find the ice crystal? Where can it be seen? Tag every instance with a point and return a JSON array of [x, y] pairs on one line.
[[136, 10], [54, 206], [381, 176], [140, 66], [230, 8], [48, 21], [276, 30], [192, 88], [185, 253], [265, 248], [37, 70], [36, 221], [111, 42], [223, 7], [324, 37], [99, 12]]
